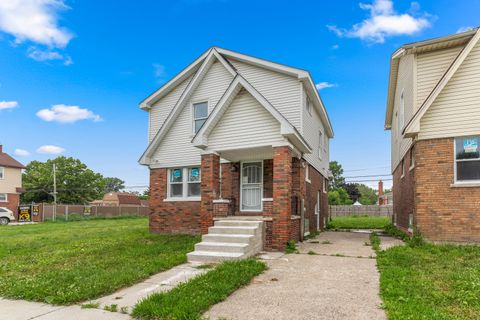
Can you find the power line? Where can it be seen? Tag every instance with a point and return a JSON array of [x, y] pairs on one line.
[[364, 169], [355, 181], [370, 176]]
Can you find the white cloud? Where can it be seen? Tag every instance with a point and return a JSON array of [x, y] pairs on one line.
[[324, 85], [49, 149], [464, 29], [159, 72], [48, 55], [34, 20], [335, 46], [8, 105], [67, 114], [383, 22], [21, 153]]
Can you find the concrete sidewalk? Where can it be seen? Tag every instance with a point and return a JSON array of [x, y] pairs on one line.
[[127, 297], [340, 282]]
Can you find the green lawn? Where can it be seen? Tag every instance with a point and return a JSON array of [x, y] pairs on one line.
[[67, 262], [189, 300], [359, 222], [429, 281]]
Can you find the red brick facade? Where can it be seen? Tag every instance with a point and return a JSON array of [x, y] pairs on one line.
[[284, 180], [404, 192], [441, 211], [170, 217]]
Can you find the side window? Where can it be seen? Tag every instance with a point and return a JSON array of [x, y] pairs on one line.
[[320, 144], [3, 197], [467, 159], [308, 106], [2, 173], [200, 115], [402, 111]]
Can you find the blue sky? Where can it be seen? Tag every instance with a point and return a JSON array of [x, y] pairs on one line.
[[72, 73]]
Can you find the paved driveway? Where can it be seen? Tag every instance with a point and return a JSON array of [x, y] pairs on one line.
[[341, 282]]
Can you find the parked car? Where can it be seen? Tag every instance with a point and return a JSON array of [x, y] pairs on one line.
[[6, 215]]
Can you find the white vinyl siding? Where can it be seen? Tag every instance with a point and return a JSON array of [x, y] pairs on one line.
[[12, 179], [176, 148], [282, 91], [456, 111], [160, 110], [430, 68], [403, 108], [312, 126], [245, 124]]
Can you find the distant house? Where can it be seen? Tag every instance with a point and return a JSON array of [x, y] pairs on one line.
[[384, 198], [115, 199], [10, 181], [433, 112]]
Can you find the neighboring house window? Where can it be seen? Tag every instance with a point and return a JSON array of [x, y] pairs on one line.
[[3, 197], [309, 106], [325, 182], [2, 173], [402, 111], [403, 169], [320, 144], [307, 173], [184, 183], [467, 159], [200, 115]]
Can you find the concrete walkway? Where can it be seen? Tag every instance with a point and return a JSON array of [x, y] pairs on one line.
[[127, 297], [340, 281]]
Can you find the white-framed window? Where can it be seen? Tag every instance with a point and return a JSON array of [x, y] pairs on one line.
[[403, 168], [467, 159], [307, 173], [184, 183], [308, 106], [411, 159], [325, 183], [320, 144], [2, 173], [200, 115], [3, 197]]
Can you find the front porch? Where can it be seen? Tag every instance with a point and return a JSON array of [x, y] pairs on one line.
[[264, 184]]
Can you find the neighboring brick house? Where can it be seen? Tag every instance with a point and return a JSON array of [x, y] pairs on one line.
[[433, 112], [116, 199], [234, 135], [10, 181]]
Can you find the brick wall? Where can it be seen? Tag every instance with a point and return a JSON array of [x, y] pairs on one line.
[[209, 189], [443, 212], [170, 217], [403, 192], [282, 196], [316, 184], [12, 203]]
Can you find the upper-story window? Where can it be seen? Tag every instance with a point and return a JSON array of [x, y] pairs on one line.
[[320, 144], [2, 173], [402, 111], [200, 115], [467, 159], [309, 106]]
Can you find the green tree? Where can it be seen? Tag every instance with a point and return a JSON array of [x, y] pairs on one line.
[[75, 182], [146, 194], [337, 172], [113, 184], [368, 196], [339, 197]]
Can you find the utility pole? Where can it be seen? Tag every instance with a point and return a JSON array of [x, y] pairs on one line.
[[54, 192]]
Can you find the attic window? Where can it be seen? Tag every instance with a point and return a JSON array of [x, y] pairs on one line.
[[200, 115]]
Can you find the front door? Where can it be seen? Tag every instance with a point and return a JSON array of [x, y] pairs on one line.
[[251, 186]]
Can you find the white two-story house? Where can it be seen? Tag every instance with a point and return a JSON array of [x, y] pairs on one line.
[[237, 136]]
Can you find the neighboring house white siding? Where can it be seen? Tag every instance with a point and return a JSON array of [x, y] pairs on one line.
[[312, 125], [456, 111], [161, 109], [405, 87], [12, 179], [430, 69], [176, 148], [283, 91], [245, 124]]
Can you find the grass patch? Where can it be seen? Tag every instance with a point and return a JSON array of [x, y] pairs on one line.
[[189, 300], [111, 308], [430, 281], [90, 305], [375, 242], [291, 247], [326, 242], [68, 262], [312, 253], [359, 222]]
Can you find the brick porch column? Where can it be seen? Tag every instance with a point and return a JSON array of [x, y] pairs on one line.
[[282, 196], [210, 187]]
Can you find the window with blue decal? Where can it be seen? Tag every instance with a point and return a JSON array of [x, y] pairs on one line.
[[184, 182], [467, 159]]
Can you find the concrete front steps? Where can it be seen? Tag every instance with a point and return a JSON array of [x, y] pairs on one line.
[[229, 240]]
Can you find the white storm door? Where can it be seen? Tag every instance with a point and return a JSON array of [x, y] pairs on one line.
[[251, 186]]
